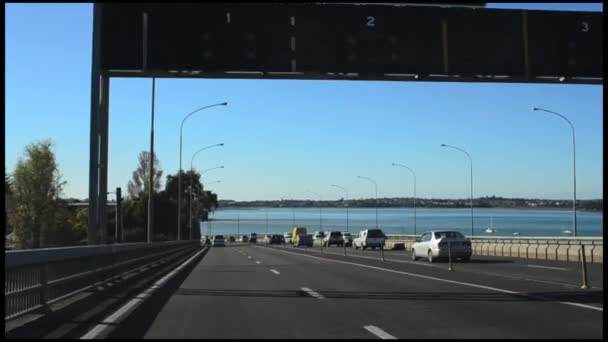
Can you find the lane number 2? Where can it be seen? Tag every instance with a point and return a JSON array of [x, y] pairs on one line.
[[370, 21]]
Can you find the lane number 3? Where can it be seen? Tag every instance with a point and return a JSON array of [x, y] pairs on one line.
[[585, 26]]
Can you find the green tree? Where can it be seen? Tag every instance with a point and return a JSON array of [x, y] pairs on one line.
[[36, 188], [140, 181], [8, 201]]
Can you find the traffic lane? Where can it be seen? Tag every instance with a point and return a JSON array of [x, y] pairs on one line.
[[554, 291], [412, 307], [228, 295], [562, 272]]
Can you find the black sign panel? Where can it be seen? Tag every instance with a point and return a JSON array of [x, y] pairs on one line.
[[368, 41]]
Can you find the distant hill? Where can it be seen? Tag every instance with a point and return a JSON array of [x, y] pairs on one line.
[[405, 202]]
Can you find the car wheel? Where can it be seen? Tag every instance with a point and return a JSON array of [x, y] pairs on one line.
[[414, 257], [430, 256]]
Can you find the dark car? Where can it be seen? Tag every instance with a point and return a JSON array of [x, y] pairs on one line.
[[333, 238], [231, 239], [347, 238], [276, 239], [205, 240], [253, 238]]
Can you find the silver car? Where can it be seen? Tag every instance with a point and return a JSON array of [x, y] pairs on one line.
[[434, 245], [218, 240]]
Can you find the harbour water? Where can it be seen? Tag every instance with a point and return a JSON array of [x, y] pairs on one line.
[[505, 222]]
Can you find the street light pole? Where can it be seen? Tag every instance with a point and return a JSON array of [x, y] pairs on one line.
[[192, 182], [573, 166], [320, 219], [214, 182], [345, 204], [191, 191], [376, 185], [413, 173], [293, 212], [179, 184], [471, 163]]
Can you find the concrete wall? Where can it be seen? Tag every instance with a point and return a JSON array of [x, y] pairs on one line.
[[542, 248]]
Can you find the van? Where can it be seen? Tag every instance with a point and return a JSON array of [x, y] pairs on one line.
[[297, 231], [373, 238]]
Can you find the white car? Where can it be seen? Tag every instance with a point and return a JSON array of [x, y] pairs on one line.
[[434, 245], [373, 238], [287, 236], [218, 240], [317, 238]]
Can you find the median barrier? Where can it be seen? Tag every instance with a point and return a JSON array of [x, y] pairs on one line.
[[597, 253], [562, 250], [552, 250], [506, 248], [522, 250]]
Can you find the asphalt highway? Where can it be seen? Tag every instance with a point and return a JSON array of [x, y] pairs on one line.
[[251, 291]]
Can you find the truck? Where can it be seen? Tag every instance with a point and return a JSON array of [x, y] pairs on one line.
[[297, 231]]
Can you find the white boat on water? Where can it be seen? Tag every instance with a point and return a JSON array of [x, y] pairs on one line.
[[491, 229], [516, 233], [567, 231]]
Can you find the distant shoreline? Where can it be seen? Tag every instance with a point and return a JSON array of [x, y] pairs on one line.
[[497, 208]]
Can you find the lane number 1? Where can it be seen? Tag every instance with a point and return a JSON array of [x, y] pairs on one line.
[[228, 17]]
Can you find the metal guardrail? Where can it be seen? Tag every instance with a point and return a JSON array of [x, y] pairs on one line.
[[561, 238], [34, 279]]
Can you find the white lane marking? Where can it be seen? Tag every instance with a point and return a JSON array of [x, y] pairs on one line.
[[379, 332], [275, 271], [553, 268], [441, 279], [249, 256], [371, 258], [257, 262], [110, 320], [312, 293]]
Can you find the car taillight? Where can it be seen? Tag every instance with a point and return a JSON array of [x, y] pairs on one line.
[[442, 244]]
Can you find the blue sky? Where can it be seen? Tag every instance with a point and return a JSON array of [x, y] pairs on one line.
[[285, 137]]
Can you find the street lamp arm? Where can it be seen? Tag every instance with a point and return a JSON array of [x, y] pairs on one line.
[[459, 149], [187, 116], [202, 149], [558, 114], [346, 191]]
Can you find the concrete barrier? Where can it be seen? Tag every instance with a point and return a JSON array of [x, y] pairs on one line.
[[548, 248], [562, 250]]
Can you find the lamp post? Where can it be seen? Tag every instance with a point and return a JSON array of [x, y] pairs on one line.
[[192, 194], [179, 181], [192, 182], [345, 204], [293, 212], [320, 220], [573, 166], [214, 182], [413, 173], [471, 164], [376, 185]]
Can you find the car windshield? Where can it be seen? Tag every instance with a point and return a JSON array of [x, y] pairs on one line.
[[374, 233], [219, 236], [336, 234], [448, 235]]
